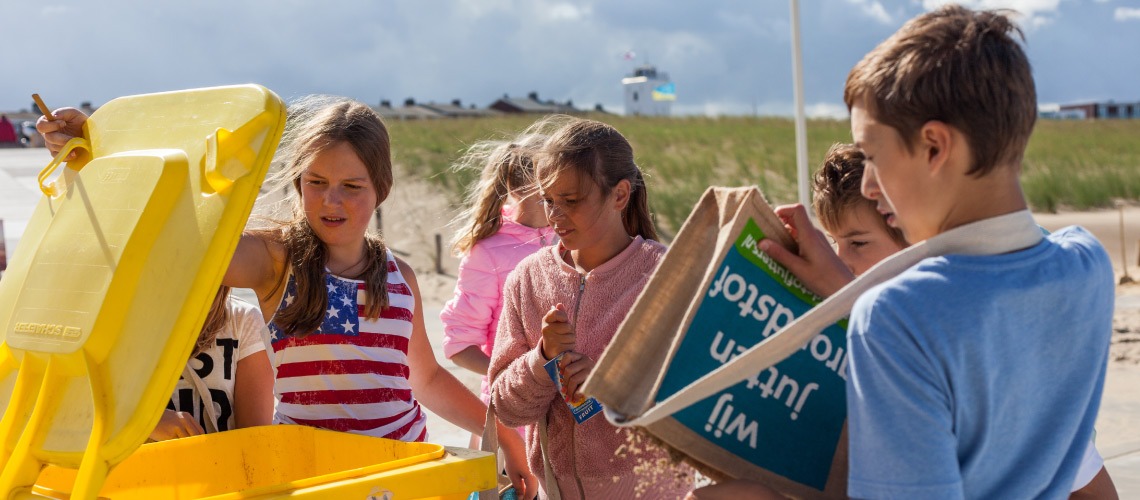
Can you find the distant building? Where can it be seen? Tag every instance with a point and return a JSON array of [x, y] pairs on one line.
[[532, 104], [1054, 112], [648, 92], [1099, 110], [409, 111], [455, 109]]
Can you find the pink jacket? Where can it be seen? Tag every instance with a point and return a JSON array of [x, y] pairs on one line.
[[524, 394], [470, 317]]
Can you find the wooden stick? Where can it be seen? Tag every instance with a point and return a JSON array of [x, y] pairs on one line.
[[43, 107], [438, 253], [1123, 247]]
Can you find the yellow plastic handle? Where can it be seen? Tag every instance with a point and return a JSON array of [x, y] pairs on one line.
[[73, 144], [231, 154]]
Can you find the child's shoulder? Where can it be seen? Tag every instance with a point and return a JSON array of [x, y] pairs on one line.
[[239, 306], [1069, 259], [512, 234], [544, 257], [538, 263], [649, 251], [535, 272], [503, 236], [654, 247], [1079, 240]]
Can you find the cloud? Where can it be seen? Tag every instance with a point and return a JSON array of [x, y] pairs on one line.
[[826, 110], [54, 10], [1126, 14], [768, 108], [874, 10], [566, 12], [728, 56], [1032, 13]]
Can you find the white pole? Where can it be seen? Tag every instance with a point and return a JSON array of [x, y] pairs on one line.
[[801, 125]]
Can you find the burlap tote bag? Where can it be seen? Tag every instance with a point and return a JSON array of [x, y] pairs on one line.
[[714, 296]]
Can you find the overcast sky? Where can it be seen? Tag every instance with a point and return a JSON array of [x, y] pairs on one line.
[[725, 57]]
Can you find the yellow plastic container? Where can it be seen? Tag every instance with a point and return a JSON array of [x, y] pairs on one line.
[[287, 460], [102, 304], [115, 273]]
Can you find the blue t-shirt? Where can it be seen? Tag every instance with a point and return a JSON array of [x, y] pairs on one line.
[[980, 376]]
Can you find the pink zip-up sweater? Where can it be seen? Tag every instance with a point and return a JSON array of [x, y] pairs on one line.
[[522, 391], [472, 315]]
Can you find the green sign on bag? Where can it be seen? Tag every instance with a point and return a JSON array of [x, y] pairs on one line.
[[787, 418]]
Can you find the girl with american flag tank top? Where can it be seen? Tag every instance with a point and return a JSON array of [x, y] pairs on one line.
[[348, 340]]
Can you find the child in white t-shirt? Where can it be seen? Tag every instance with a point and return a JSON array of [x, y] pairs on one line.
[[230, 363]]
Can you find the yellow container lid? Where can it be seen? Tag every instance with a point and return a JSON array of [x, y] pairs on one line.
[[116, 271]]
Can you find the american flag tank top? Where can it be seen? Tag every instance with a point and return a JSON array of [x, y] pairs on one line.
[[351, 374]]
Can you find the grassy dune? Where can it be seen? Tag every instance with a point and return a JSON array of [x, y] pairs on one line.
[[1070, 164]]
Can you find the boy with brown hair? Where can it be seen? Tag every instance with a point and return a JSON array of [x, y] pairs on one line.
[[861, 235], [976, 374], [862, 238]]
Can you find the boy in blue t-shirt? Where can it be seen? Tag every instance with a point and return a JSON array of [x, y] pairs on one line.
[[977, 374], [862, 238]]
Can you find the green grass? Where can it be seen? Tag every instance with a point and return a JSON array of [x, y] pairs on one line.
[[1068, 164], [1079, 165]]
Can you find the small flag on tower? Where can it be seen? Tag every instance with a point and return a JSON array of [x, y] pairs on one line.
[[666, 92]]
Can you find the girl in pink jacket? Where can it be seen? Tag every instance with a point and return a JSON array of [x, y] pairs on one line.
[[504, 223], [569, 299]]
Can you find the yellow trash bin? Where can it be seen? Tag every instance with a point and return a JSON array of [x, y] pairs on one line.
[[287, 460]]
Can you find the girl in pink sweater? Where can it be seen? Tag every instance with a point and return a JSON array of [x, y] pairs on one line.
[[504, 223], [570, 298]]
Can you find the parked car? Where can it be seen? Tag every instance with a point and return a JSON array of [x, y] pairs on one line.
[[28, 135]]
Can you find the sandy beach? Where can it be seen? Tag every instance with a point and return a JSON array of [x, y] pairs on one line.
[[416, 212]]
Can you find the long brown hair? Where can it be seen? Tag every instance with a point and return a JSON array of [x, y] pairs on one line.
[[505, 167], [600, 153], [215, 321], [316, 123]]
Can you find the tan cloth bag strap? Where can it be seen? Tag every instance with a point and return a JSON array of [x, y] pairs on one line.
[[207, 399], [1002, 234], [552, 490], [489, 441]]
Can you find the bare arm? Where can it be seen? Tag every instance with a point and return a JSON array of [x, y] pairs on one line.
[[445, 395], [1100, 488], [472, 358], [253, 391], [258, 264]]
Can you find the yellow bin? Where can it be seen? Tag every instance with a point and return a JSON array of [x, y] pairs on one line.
[[287, 460], [103, 301]]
